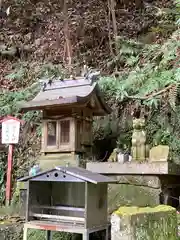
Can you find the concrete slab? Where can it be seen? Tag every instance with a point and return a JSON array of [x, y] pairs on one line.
[[134, 168]]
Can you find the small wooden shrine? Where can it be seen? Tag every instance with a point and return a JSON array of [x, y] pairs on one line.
[[67, 199], [68, 107]]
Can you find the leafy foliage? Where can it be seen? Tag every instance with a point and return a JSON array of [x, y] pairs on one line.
[[9, 102], [152, 82], [156, 67]]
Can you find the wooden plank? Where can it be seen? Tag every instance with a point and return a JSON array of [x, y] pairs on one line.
[[44, 136], [72, 133], [134, 168], [56, 217], [61, 148]]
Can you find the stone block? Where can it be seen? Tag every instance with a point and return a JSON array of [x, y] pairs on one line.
[[131, 195], [133, 223], [159, 153], [50, 161], [149, 181]]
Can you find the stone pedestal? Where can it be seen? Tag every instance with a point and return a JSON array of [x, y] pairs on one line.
[[49, 161], [133, 223]]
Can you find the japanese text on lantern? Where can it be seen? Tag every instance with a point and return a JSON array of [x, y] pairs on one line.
[[10, 131]]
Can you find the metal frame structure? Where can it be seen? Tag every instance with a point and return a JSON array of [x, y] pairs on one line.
[[70, 199]]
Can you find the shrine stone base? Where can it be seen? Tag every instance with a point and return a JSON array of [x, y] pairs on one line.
[[133, 223]]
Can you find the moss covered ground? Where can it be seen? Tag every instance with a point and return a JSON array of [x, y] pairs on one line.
[[133, 210]]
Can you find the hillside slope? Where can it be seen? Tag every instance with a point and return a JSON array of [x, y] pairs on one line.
[[33, 34]]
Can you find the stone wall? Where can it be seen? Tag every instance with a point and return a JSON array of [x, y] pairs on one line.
[[133, 223]]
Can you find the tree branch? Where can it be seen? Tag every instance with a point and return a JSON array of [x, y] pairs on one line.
[[108, 19], [68, 46], [153, 94], [112, 9]]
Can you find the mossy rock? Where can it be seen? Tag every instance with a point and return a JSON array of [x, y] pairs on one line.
[[133, 210], [130, 195], [158, 223]]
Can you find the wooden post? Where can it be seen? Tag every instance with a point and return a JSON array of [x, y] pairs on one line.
[[9, 178]]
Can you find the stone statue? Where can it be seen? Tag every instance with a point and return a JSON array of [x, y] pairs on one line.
[[139, 140], [113, 156]]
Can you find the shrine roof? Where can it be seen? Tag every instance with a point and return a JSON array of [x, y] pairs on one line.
[[58, 92], [76, 173]]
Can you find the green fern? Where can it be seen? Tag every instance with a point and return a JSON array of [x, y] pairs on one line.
[[18, 74], [154, 68]]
